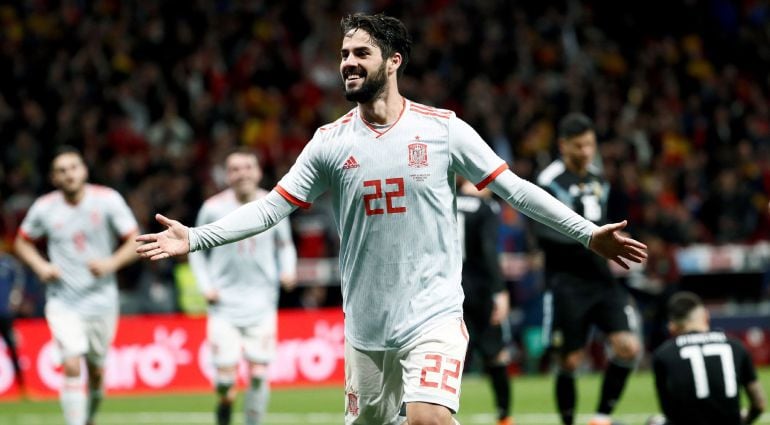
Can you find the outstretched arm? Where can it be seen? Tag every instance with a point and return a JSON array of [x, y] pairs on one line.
[[541, 206], [248, 220]]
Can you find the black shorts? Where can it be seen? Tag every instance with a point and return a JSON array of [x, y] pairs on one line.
[[484, 338], [573, 304]]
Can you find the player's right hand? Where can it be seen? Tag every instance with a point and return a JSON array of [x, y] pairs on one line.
[[48, 273], [168, 243]]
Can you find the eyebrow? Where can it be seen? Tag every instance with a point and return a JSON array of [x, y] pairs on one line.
[[357, 49]]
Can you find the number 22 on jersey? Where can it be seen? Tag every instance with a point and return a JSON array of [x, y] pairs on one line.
[[394, 189]]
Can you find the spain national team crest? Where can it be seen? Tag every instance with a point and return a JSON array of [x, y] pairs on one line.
[[352, 404], [418, 155]]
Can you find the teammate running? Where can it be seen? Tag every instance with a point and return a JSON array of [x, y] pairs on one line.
[[80, 222], [240, 281]]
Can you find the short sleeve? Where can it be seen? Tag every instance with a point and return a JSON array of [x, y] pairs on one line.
[[32, 227], [308, 178], [471, 157], [121, 217]]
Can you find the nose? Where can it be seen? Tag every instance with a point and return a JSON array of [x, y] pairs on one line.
[[349, 61]]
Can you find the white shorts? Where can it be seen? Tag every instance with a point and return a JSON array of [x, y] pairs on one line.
[[228, 342], [427, 370], [76, 335]]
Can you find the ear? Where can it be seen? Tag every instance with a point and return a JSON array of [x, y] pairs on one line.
[[394, 62], [672, 328]]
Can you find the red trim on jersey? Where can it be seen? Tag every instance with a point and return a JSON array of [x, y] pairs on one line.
[[25, 236], [291, 198], [431, 111], [380, 133], [482, 184], [99, 189], [430, 114], [342, 120]]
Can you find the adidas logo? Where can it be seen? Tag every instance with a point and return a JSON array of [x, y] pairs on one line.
[[350, 163]]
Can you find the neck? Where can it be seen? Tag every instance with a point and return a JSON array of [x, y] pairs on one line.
[[385, 108], [695, 327], [574, 169], [246, 197], [74, 197]]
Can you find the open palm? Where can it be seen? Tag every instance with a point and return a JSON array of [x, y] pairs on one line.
[[168, 243], [608, 242]]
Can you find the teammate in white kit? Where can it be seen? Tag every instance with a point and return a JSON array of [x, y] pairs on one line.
[[240, 282], [82, 223], [390, 165]]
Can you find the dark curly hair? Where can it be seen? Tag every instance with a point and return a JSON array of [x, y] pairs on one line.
[[388, 33]]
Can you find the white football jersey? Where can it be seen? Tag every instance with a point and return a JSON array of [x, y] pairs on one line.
[[77, 234], [245, 273], [393, 193]]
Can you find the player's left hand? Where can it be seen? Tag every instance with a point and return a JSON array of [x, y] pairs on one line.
[[609, 242], [101, 267]]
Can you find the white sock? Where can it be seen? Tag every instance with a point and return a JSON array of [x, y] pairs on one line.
[[255, 401], [72, 396]]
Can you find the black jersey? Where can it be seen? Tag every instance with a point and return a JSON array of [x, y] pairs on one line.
[[588, 196], [698, 377], [479, 223]]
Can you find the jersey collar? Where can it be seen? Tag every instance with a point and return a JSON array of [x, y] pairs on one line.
[[381, 132]]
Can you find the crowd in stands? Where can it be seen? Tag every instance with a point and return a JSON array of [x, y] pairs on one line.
[[155, 93]]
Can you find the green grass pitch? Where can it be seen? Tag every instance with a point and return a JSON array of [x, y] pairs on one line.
[[532, 404]]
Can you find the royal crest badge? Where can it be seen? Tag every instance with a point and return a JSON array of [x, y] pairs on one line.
[[418, 155]]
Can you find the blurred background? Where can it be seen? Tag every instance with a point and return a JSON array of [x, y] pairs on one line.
[[156, 93]]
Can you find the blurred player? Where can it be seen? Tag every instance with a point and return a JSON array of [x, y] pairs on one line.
[[486, 304], [240, 282], [80, 222], [390, 165], [582, 290], [699, 372], [11, 288]]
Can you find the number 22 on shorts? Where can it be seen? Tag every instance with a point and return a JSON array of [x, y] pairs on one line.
[[441, 368]]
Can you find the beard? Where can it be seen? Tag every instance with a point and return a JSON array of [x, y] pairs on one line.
[[373, 86]]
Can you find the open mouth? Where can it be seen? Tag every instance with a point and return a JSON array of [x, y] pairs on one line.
[[353, 74]]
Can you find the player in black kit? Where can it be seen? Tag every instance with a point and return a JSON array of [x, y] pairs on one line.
[[486, 304], [582, 290], [699, 372]]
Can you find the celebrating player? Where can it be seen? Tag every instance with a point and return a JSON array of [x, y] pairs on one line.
[[699, 372], [582, 290], [240, 282], [80, 222], [390, 165]]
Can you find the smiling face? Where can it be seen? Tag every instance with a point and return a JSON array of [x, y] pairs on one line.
[[243, 174], [363, 69], [69, 174]]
